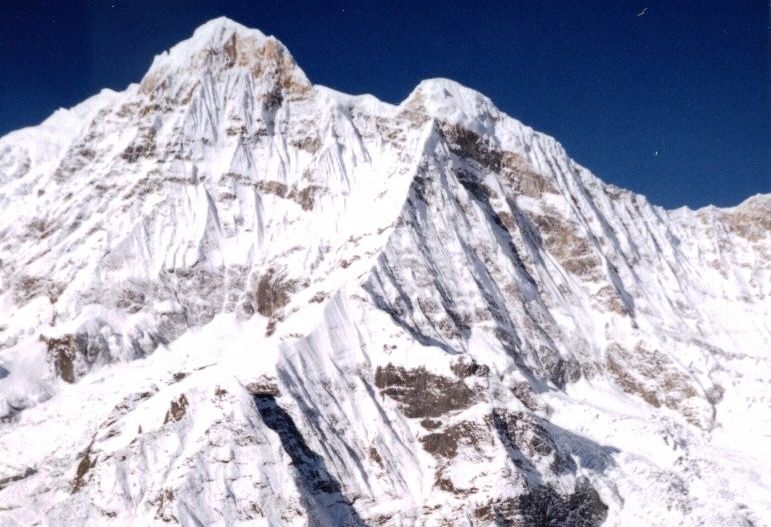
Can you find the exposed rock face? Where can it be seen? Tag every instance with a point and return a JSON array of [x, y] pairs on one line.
[[421, 394], [544, 506], [177, 410], [63, 353], [272, 293], [246, 299]]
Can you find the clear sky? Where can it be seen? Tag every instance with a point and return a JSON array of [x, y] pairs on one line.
[[669, 98]]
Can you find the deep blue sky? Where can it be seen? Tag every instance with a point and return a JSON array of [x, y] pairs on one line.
[[687, 79]]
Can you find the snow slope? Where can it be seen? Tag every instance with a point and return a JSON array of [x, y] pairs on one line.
[[232, 297]]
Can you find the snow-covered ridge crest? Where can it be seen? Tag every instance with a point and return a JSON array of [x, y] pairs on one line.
[[231, 297]]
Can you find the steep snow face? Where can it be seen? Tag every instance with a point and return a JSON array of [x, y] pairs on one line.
[[233, 297]]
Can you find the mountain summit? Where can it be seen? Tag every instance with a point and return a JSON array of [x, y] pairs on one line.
[[233, 297]]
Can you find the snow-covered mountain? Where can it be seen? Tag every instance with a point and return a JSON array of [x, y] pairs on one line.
[[232, 297]]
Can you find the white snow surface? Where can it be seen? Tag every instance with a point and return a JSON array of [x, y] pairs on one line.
[[232, 297]]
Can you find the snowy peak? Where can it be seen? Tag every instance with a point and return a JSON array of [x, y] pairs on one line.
[[450, 101], [220, 45], [231, 297], [219, 30]]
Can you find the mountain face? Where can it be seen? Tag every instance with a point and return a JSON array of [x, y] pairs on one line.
[[232, 297]]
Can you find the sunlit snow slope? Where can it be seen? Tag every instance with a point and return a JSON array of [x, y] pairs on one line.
[[231, 297]]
